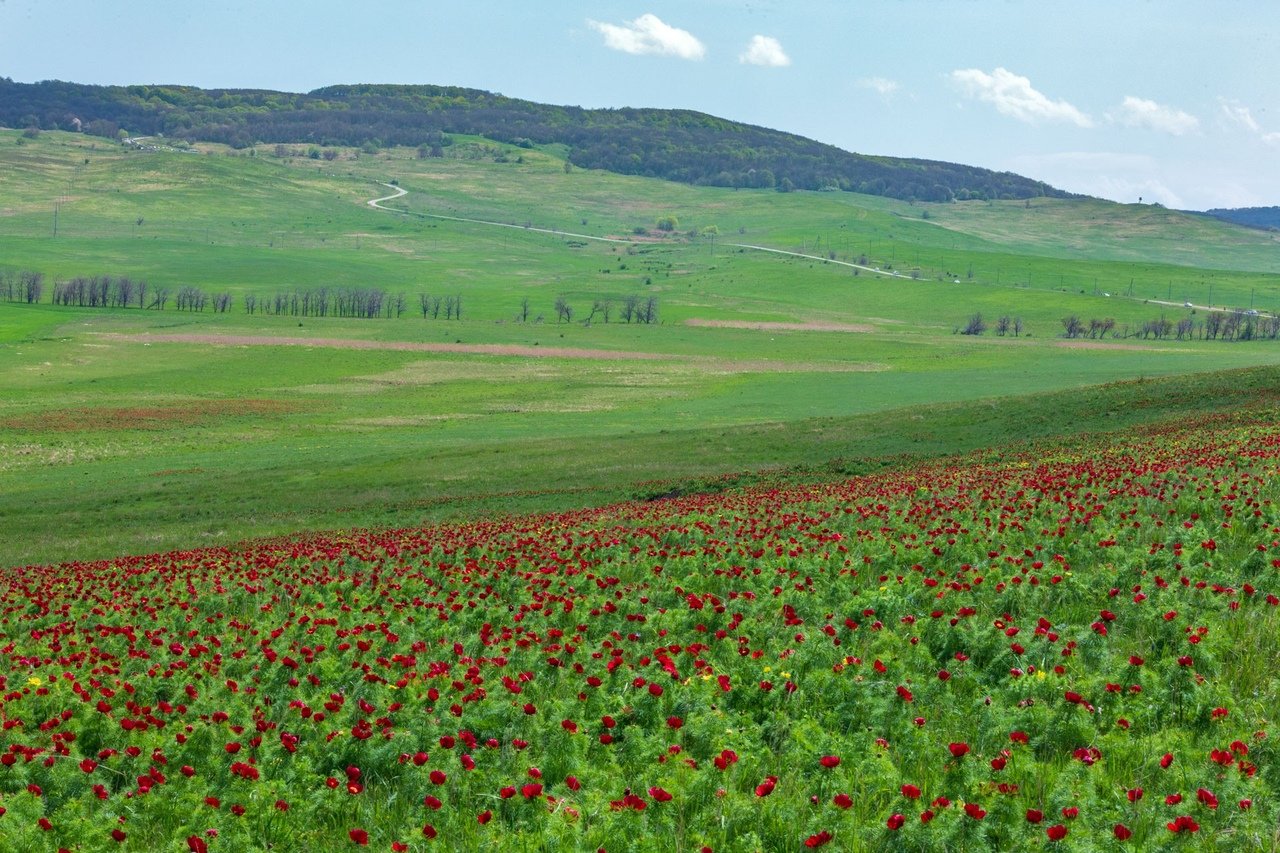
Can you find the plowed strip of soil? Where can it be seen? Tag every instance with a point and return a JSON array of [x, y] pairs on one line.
[[709, 363], [131, 418], [408, 346], [1107, 345]]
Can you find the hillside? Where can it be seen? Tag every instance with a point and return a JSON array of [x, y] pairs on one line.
[[833, 346], [676, 145], [1254, 217]]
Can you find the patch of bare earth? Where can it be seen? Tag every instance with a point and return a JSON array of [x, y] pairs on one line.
[[860, 328], [710, 364], [404, 346], [142, 417]]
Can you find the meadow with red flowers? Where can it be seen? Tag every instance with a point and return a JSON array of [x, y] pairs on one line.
[[1071, 646]]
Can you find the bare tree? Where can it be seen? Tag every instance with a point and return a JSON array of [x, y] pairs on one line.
[[1072, 326], [975, 326], [1002, 325], [564, 311]]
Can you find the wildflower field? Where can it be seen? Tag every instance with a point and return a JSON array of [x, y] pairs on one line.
[[1072, 646]]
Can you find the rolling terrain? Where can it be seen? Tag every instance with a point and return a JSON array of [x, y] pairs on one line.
[[804, 334]]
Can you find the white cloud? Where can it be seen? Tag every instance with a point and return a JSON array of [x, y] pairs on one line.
[[650, 34], [1239, 114], [882, 86], [766, 51], [1014, 96], [1140, 112]]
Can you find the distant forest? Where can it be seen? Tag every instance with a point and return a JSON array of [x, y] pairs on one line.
[[1255, 217], [678, 145]]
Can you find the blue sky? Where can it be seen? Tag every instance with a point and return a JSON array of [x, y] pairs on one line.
[[1172, 101]]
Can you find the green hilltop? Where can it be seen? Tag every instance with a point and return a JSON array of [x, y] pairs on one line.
[[677, 145]]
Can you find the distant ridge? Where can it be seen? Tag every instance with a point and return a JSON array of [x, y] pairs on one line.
[[1254, 217], [677, 145]]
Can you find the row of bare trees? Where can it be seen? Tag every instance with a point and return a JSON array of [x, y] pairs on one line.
[[1004, 325], [1217, 326], [25, 286], [360, 302], [631, 309]]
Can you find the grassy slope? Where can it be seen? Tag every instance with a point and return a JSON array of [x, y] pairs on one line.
[[111, 444]]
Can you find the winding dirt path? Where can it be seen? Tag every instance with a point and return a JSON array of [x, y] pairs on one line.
[[400, 191]]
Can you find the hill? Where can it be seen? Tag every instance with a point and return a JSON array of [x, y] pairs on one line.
[[1254, 217], [677, 145]]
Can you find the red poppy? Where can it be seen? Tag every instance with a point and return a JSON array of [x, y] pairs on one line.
[[911, 792], [975, 811], [895, 822], [196, 844], [958, 750], [829, 761], [359, 836], [1034, 815], [818, 840], [1057, 832], [766, 787], [1122, 832], [843, 801], [660, 794]]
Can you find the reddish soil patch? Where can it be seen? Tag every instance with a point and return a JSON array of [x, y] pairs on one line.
[[861, 328], [142, 417], [409, 346]]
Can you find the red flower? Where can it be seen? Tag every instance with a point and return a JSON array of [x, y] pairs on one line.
[[829, 761], [844, 801], [911, 792], [1166, 760], [1122, 832], [530, 790], [1057, 832], [196, 844], [507, 792], [438, 777], [431, 803], [818, 840], [484, 817], [1183, 823], [660, 794], [1034, 815], [765, 788], [1207, 798], [895, 822], [428, 831], [572, 783], [359, 836], [958, 750], [975, 811]]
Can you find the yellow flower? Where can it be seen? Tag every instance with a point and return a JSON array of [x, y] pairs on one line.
[[1040, 674], [34, 681]]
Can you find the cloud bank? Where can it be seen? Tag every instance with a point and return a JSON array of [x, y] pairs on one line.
[[649, 34], [1013, 95], [1140, 112], [765, 51]]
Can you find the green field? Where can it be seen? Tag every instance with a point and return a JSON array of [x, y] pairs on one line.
[[130, 430]]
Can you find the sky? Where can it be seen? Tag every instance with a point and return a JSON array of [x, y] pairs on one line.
[[1169, 101]]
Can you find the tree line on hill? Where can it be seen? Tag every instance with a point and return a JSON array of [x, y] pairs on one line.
[[678, 145]]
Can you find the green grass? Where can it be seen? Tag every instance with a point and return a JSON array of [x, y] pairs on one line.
[[110, 442]]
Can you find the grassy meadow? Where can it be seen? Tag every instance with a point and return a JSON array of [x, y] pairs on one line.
[[130, 430]]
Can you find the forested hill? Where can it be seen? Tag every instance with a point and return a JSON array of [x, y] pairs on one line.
[[677, 145], [1254, 217]]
